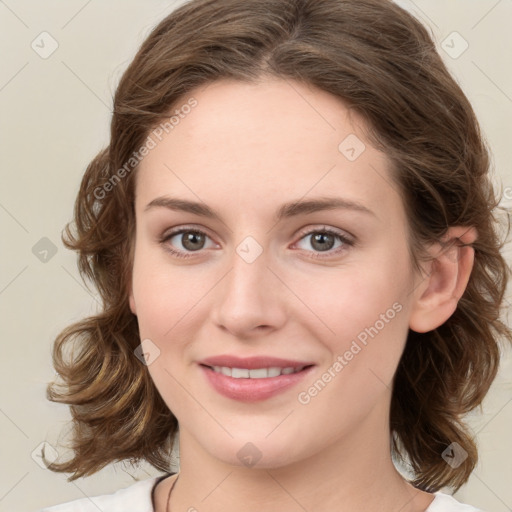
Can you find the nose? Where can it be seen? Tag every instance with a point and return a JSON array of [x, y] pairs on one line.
[[251, 298]]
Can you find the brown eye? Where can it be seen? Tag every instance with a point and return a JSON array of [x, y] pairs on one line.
[[183, 241], [192, 240], [323, 241]]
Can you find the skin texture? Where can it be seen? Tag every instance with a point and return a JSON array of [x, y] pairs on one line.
[[244, 150]]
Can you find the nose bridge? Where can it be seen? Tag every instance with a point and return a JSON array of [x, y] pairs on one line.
[[248, 295], [249, 264], [249, 276]]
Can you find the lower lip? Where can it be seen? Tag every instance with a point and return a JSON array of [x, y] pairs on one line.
[[252, 390]]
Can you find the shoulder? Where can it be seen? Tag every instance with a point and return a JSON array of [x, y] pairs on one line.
[[446, 503], [135, 497]]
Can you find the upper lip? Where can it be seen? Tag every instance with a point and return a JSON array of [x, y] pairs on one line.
[[252, 363]]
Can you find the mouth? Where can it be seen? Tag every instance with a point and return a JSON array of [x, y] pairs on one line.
[[256, 373], [254, 384]]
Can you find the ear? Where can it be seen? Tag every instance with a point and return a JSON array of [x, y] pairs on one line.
[[133, 309], [437, 295]]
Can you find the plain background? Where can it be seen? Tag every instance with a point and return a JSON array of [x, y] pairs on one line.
[[55, 115]]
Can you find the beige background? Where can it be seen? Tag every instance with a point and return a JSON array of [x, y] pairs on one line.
[[55, 115]]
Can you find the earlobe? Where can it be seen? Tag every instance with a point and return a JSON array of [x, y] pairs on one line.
[[437, 296], [133, 309]]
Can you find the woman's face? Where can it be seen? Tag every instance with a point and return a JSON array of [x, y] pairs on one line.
[[270, 274]]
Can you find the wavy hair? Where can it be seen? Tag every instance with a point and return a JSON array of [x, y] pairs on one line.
[[382, 63]]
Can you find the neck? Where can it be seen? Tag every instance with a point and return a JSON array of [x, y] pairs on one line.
[[354, 473]]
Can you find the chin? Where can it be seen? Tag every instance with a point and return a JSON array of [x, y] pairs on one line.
[[252, 452]]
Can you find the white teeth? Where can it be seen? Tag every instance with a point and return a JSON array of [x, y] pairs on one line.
[[238, 373], [256, 373], [259, 373], [274, 372], [224, 370]]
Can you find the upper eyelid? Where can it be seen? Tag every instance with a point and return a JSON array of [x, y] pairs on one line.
[[336, 231], [183, 229]]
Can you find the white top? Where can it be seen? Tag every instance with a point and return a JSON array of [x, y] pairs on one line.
[[137, 498]]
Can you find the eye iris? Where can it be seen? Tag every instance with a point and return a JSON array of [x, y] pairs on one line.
[[192, 238], [320, 238]]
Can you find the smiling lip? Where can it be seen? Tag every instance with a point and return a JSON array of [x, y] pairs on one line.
[[252, 390], [252, 363]]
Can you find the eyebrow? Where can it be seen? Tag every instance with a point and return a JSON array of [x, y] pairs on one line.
[[287, 210]]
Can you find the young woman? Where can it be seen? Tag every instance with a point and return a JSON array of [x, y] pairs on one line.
[[292, 231]]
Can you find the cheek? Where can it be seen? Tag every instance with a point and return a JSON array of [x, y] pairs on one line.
[[367, 332], [347, 302], [168, 298], [360, 314]]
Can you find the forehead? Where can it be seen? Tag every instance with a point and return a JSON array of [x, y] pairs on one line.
[[263, 143]]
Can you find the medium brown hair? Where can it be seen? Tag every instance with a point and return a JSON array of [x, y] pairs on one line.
[[382, 63]]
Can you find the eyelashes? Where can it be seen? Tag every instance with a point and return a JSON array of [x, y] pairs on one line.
[[345, 241], [181, 254], [197, 234]]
